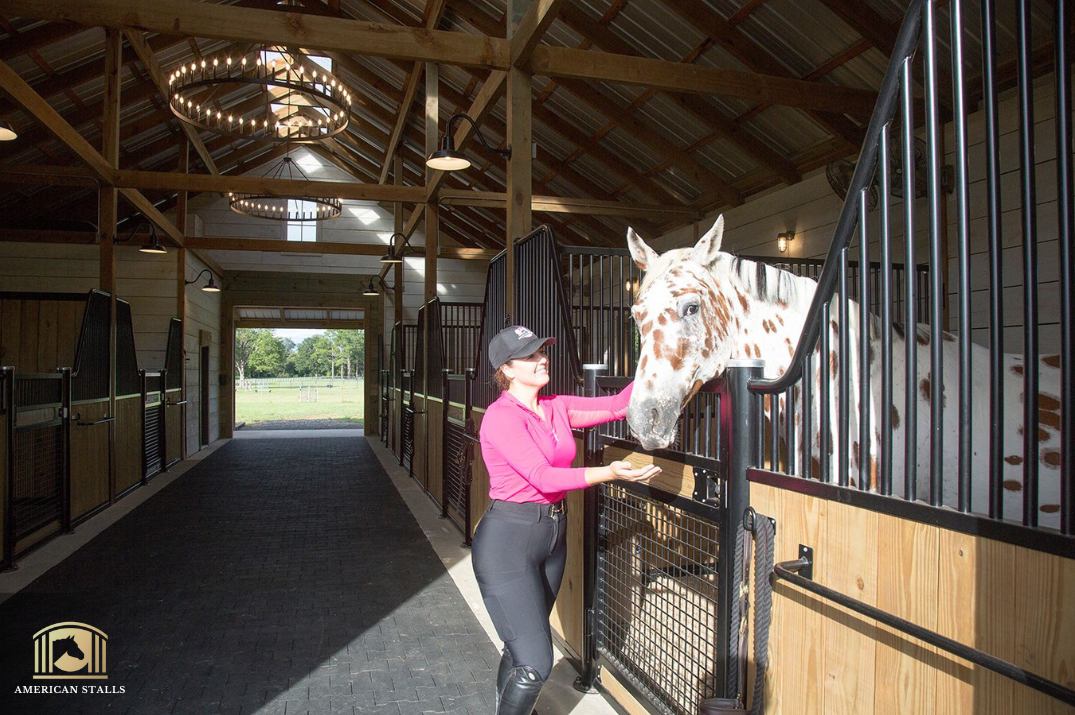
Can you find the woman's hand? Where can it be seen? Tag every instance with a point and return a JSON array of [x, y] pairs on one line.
[[622, 469]]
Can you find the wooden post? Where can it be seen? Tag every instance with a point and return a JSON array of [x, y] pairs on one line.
[[520, 176], [226, 379], [181, 297], [108, 210], [432, 228], [397, 171]]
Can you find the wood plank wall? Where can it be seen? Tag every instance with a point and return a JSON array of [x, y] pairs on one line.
[[39, 335], [129, 428], [89, 457], [1007, 600], [147, 282], [810, 208], [203, 313]]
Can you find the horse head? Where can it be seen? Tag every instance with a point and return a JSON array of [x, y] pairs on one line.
[[685, 320]]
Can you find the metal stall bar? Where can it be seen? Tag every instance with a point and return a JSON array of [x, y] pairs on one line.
[[789, 571], [1066, 238]]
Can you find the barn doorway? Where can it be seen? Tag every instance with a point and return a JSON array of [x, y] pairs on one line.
[[299, 374]]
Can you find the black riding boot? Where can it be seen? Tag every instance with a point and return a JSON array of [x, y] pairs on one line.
[[502, 673], [520, 692]]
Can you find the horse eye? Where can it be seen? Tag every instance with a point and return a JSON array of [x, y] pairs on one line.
[[690, 309]]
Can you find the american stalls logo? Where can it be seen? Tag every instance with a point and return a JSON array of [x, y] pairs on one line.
[[70, 651]]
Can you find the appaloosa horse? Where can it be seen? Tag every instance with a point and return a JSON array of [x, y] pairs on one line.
[[698, 308]]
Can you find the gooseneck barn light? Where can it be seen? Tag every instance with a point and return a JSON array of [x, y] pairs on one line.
[[210, 287], [7, 132], [447, 158], [393, 255]]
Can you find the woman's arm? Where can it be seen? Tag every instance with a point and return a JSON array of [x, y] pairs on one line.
[[507, 446], [589, 411]]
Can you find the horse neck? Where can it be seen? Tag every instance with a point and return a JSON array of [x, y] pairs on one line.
[[769, 329]]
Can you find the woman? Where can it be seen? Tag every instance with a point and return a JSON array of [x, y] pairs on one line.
[[519, 546]]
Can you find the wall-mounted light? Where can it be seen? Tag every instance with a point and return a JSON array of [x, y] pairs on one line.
[[210, 287], [154, 246], [393, 255], [371, 290], [7, 132], [782, 240], [447, 158]]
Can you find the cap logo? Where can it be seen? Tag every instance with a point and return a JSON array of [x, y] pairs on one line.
[[523, 333]]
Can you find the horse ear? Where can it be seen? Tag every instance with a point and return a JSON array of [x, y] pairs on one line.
[[642, 254], [708, 246]]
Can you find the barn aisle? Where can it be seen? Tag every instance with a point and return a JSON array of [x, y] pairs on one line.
[[276, 576]]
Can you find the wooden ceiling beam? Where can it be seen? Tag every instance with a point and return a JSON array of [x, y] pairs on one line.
[[223, 22], [433, 12], [692, 79], [535, 21], [174, 181], [36, 38], [566, 204], [145, 55], [695, 105]]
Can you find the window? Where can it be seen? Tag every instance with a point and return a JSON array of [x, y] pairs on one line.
[[302, 230]]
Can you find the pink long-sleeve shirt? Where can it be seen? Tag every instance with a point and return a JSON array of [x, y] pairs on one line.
[[528, 458]]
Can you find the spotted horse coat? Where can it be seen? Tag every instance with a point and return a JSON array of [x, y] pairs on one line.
[[698, 308]]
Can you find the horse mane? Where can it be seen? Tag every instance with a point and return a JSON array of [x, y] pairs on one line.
[[767, 283]]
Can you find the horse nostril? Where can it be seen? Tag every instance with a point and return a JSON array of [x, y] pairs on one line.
[[654, 415]]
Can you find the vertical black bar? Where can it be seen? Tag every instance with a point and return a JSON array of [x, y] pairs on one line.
[[7, 391], [744, 432], [144, 383], [807, 407], [444, 456], [1065, 236], [65, 451], [1030, 268], [996, 285], [164, 420], [910, 323], [885, 287], [963, 210], [591, 457], [843, 370], [468, 407], [789, 431], [864, 372], [936, 259], [825, 427]]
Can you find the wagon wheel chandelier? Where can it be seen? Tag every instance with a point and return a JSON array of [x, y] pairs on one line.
[[303, 102], [286, 208]]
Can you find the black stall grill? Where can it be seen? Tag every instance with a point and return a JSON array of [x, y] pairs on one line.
[[39, 460], [658, 561]]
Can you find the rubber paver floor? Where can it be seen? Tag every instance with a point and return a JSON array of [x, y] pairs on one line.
[[276, 576]]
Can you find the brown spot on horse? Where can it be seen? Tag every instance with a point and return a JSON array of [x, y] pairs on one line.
[[1050, 508], [895, 418], [1050, 419], [833, 362], [1051, 459], [1051, 360], [1047, 402], [1013, 459], [1013, 485], [743, 301], [1017, 369]]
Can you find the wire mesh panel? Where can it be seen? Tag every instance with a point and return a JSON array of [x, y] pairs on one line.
[[406, 452], [152, 424], [658, 563], [37, 481], [459, 446], [385, 397]]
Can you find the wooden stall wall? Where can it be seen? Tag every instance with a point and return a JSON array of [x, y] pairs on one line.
[[147, 281], [36, 266], [39, 334], [5, 418], [89, 457], [434, 446], [128, 453], [421, 446], [203, 313], [1006, 600]]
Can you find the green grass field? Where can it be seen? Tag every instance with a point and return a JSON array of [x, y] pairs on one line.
[[343, 401]]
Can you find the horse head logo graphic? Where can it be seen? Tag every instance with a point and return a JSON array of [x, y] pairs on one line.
[[70, 651]]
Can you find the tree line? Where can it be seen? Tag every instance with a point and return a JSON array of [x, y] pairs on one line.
[[334, 353]]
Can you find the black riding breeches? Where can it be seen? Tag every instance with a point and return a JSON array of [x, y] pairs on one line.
[[518, 556]]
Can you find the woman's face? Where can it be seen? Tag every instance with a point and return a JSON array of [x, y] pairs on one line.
[[532, 371]]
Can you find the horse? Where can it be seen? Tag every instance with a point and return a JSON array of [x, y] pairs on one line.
[[698, 308]]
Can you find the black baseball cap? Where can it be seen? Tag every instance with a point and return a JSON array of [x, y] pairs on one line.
[[515, 341]]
